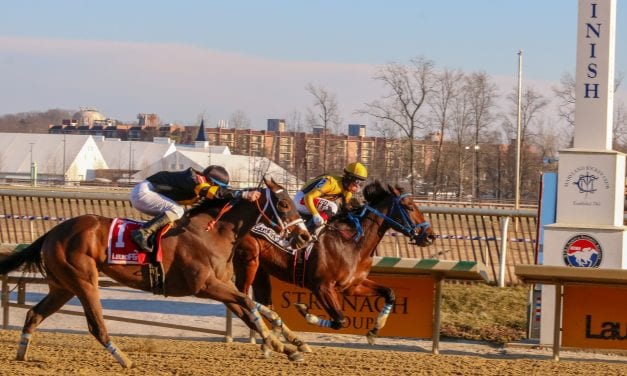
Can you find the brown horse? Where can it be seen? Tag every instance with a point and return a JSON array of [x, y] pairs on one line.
[[341, 259], [195, 262]]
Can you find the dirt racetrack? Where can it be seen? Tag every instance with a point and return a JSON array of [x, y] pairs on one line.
[[79, 354]]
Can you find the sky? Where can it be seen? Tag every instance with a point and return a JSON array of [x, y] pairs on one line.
[[185, 59]]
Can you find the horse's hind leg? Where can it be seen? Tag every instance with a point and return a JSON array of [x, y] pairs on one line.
[[89, 295], [51, 303], [370, 288]]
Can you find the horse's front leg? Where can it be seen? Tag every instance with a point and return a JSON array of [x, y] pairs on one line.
[[279, 327], [249, 312], [370, 288], [329, 300]]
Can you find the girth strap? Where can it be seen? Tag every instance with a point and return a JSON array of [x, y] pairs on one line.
[[299, 268]]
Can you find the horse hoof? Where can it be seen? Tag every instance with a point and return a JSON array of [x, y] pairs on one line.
[[22, 355], [371, 338], [296, 357], [304, 348], [266, 351]]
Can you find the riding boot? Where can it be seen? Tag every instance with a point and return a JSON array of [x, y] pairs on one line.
[[142, 235]]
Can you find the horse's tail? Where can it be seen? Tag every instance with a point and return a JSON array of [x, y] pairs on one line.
[[31, 256]]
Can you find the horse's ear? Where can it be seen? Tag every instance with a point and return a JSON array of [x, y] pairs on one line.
[[270, 183], [394, 190]]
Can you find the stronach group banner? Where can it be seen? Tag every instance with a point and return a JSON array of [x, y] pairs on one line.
[[412, 315], [594, 317]]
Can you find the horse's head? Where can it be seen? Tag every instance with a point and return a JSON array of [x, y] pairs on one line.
[[279, 211], [400, 212]]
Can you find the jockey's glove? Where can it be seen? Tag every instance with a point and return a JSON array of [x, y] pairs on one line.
[[251, 195], [318, 220]]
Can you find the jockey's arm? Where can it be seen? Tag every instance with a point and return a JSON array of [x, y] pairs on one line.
[[346, 198], [309, 200], [213, 191]]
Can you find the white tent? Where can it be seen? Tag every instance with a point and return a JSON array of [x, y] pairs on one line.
[[245, 171], [132, 155], [55, 155]]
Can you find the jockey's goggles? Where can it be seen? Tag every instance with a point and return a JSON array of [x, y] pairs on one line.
[[218, 183], [355, 181]]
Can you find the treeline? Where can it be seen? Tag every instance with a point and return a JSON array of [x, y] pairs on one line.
[[33, 121]]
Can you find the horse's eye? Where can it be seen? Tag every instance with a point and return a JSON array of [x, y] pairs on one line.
[[283, 204]]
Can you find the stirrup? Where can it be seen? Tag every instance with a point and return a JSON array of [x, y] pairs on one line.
[[141, 240]]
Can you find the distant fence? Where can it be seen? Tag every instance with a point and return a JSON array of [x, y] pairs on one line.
[[464, 233]]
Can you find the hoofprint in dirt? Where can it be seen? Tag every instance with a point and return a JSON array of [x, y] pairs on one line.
[[151, 343]]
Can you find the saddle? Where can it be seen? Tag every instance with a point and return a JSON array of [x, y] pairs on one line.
[[299, 256], [122, 250]]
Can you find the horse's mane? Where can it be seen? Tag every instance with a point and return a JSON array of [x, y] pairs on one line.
[[375, 192]]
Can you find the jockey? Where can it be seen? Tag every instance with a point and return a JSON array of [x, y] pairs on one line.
[[164, 194], [318, 196]]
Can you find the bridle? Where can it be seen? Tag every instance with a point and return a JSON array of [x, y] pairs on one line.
[[406, 225], [282, 227]]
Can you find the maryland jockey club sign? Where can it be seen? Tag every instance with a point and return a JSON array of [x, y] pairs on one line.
[[587, 189]]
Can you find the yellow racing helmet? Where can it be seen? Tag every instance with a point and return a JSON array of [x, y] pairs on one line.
[[356, 171]]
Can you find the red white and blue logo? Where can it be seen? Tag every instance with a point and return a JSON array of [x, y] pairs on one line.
[[583, 251]]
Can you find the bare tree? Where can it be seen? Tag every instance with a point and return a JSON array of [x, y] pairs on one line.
[[407, 88], [448, 86], [481, 94], [548, 142], [531, 106], [566, 95], [239, 120], [294, 121], [461, 133], [325, 113], [619, 128], [385, 130]]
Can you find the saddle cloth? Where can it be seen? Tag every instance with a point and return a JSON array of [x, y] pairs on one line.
[[271, 236], [122, 250]]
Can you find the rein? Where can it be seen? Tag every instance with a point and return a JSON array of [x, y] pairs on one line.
[[229, 205], [407, 227], [280, 226]]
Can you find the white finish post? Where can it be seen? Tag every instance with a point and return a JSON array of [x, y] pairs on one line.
[[594, 81], [502, 261], [591, 176]]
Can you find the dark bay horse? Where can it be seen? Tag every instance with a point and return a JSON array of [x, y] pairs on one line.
[[340, 261], [195, 261]]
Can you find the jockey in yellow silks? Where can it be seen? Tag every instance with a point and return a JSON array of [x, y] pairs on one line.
[[319, 195]]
